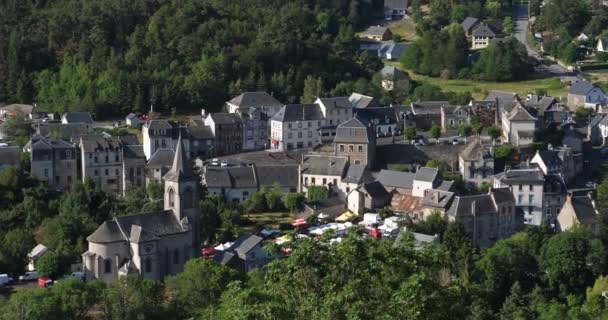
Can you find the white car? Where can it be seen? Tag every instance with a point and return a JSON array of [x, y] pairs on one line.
[[78, 275], [224, 163], [5, 279], [29, 276], [215, 162]]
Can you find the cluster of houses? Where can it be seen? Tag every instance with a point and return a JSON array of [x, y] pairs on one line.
[[534, 190]]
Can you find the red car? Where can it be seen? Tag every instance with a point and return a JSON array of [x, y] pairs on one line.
[[44, 282]]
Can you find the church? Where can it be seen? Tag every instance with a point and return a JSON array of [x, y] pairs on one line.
[[150, 245]]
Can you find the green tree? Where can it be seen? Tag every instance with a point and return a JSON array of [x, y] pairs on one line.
[[273, 198], [294, 201], [465, 131], [317, 193], [435, 132], [133, 298], [494, 132], [507, 25], [313, 87], [410, 133], [50, 266]]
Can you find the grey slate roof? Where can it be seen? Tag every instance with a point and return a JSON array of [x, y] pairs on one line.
[[161, 158], [515, 176], [245, 243], [324, 165], [520, 113], [255, 99], [353, 131], [62, 130], [374, 189], [584, 210], [10, 156], [134, 152], [223, 258], [550, 158], [78, 117], [201, 132], [382, 115], [396, 50], [284, 175], [462, 206], [483, 30], [375, 31], [336, 102], [502, 195], [158, 124], [596, 120], [438, 199], [356, 173], [362, 101], [503, 99], [129, 139], [93, 143], [390, 72], [468, 23], [299, 112], [230, 177], [395, 4], [428, 107], [426, 174], [581, 88], [225, 118], [396, 179]]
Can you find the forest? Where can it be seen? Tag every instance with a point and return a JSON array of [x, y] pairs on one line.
[[112, 57]]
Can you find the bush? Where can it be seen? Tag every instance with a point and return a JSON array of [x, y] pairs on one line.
[[294, 202], [49, 265], [317, 193]]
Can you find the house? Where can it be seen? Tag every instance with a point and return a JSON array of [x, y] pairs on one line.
[[158, 134], [384, 120], [327, 209], [582, 37], [27, 111], [585, 94], [572, 138], [390, 50], [355, 141], [395, 9], [64, 131], [486, 218], [396, 181], [482, 35], [360, 101], [133, 167], [485, 111], [133, 121], [54, 162], [296, 126], [519, 125], [579, 211], [468, 25], [561, 161], [378, 33], [369, 196], [245, 254], [476, 163], [597, 130], [326, 171], [202, 140], [102, 160], [504, 102], [150, 245], [158, 165], [227, 129], [255, 128], [390, 75], [455, 116], [335, 111], [10, 157], [427, 113], [77, 117], [237, 184], [436, 201], [260, 100], [34, 255], [425, 179], [602, 44]]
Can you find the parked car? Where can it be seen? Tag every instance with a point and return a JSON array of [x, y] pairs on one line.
[[224, 163], [5, 279], [455, 142], [44, 282], [29, 276], [215, 162], [78, 275]]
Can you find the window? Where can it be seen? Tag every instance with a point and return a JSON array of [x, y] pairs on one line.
[[107, 172], [116, 158], [171, 197], [108, 266], [68, 154], [351, 148], [289, 135], [96, 159], [531, 187], [148, 267], [176, 256], [289, 125], [56, 179], [324, 181], [341, 148], [360, 148], [520, 187], [520, 199], [69, 179], [300, 125], [312, 181], [299, 134], [310, 134], [107, 159], [335, 182], [116, 172], [309, 124], [305, 181], [531, 199], [96, 173], [46, 173]]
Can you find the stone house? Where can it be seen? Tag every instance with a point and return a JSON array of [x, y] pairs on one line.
[[158, 165], [356, 141], [161, 134], [335, 111], [227, 129], [427, 113], [455, 116], [562, 161], [468, 24], [476, 163], [260, 100], [425, 179], [504, 102], [296, 126], [150, 245], [585, 94], [519, 125], [202, 140], [390, 75], [482, 35], [579, 211], [245, 254], [384, 120], [102, 161], [326, 171], [369, 196], [255, 128], [54, 162]]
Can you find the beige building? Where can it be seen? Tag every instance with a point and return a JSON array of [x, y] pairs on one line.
[[476, 163], [101, 160], [481, 36], [150, 245], [53, 161], [356, 141], [579, 211]]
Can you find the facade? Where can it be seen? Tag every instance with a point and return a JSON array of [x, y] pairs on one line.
[[559, 161], [133, 168], [455, 116], [482, 35], [54, 162], [355, 141], [158, 165], [102, 161], [202, 140], [255, 128], [476, 163], [150, 245], [585, 94], [296, 126], [228, 131], [245, 254], [427, 113], [326, 171], [62, 131], [518, 125], [335, 111], [260, 100], [425, 179], [384, 120], [395, 9], [157, 134], [390, 75], [579, 211]]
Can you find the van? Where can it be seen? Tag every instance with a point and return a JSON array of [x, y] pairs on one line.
[[29, 276], [5, 279]]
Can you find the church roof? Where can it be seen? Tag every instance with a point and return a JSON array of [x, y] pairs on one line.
[[181, 169], [138, 227]]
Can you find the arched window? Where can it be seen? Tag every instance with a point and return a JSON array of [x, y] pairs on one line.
[[108, 266], [171, 197], [148, 266], [187, 198]]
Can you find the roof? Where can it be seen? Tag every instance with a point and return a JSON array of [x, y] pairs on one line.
[[550, 158], [581, 88], [161, 158], [355, 173], [475, 150], [468, 23], [502, 195], [134, 152], [396, 50], [397, 4], [483, 30], [39, 142], [438, 199], [225, 118], [466, 205], [514, 176], [107, 232], [381, 115], [426, 174], [396, 179], [255, 99], [284, 175], [158, 124], [245, 243], [502, 98], [596, 120], [520, 113], [38, 250], [584, 210], [336, 102], [223, 258], [26, 109], [95, 142], [78, 117], [353, 131], [230, 177], [324, 165], [62, 130], [393, 73], [362, 101], [376, 31], [129, 139], [299, 112], [201, 132], [374, 189], [428, 107], [181, 169], [406, 203]]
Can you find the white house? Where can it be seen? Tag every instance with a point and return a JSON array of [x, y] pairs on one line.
[[262, 101], [335, 111], [424, 180], [296, 126], [518, 125]]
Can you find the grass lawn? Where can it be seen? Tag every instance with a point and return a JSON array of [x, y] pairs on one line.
[[269, 220], [405, 28], [479, 89]]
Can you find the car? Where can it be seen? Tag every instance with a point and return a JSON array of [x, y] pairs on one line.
[[224, 163], [29, 276], [455, 142], [215, 162], [44, 282], [590, 184], [5, 279], [75, 275]]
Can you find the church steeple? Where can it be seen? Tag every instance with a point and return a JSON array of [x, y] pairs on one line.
[[181, 169]]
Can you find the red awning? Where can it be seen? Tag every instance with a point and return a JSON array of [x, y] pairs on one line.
[[299, 223], [275, 142]]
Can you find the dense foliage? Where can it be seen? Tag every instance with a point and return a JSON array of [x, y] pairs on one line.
[[116, 56]]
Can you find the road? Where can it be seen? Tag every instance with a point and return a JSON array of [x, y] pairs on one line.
[[521, 33]]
